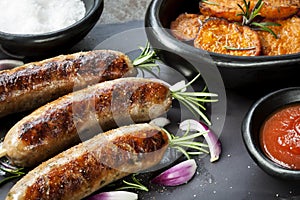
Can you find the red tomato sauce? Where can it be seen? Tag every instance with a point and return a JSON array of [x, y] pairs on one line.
[[280, 137]]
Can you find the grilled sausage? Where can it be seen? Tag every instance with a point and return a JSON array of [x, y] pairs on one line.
[[89, 166], [288, 40], [32, 85], [78, 115], [220, 36]]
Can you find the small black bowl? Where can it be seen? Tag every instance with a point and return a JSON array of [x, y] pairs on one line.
[[236, 71], [253, 121], [34, 45]]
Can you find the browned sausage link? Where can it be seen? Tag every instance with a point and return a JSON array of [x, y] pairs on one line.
[[30, 86], [63, 122], [89, 166]]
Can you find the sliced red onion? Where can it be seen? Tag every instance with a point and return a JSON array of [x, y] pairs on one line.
[[179, 86], [114, 195], [212, 140], [160, 122], [177, 175]]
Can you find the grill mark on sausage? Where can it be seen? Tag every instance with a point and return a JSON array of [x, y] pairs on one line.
[[57, 121], [63, 122], [46, 80], [91, 165]]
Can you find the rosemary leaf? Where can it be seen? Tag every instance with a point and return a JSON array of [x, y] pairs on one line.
[[197, 94], [147, 59], [256, 10], [189, 137], [197, 110], [198, 149], [195, 153], [11, 173], [199, 144], [8, 178], [243, 11], [135, 185], [239, 48], [195, 101], [265, 28], [188, 141], [269, 24], [249, 17]]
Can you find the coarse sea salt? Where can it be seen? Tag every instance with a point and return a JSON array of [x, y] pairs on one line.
[[39, 16]]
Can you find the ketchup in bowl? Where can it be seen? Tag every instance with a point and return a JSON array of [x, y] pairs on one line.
[[280, 137]]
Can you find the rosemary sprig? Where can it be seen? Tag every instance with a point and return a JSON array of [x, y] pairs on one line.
[[137, 185], [187, 141], [147, 59], [249, 16], [10, 172], [193, 100]]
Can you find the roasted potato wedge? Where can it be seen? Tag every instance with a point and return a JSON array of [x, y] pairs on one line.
[[220, 36]]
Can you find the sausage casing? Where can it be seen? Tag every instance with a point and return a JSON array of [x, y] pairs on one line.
[[85, 168], [81, 114], [33, 84]]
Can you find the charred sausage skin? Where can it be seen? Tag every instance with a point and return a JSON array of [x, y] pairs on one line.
[[33, 84], [89, 166], [81, 114]]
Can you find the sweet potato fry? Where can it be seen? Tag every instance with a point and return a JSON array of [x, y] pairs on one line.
[[272, 9], [278, 9], [220, 36], [222, 9], [186, 26], [288, 40]]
